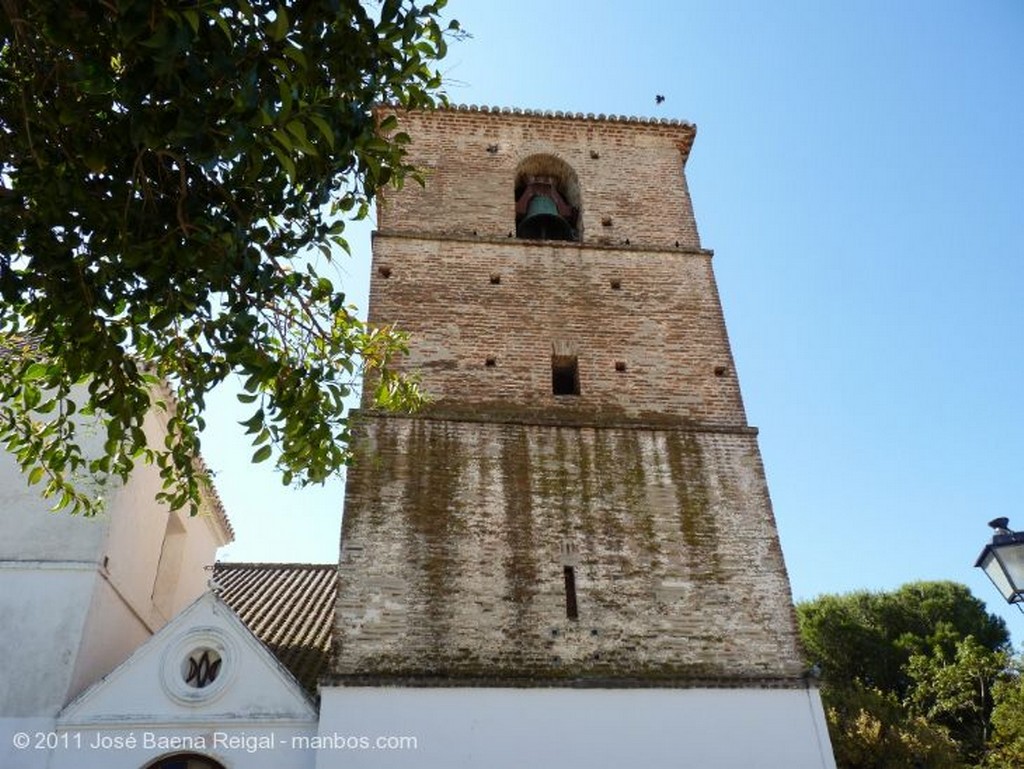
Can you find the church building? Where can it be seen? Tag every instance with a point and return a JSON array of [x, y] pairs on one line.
[[568, 558]]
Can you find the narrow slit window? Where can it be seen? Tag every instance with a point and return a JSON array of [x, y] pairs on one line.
[[571, 608], [565, 375]]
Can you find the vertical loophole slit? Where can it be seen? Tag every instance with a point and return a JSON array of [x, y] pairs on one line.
[[571, 608]]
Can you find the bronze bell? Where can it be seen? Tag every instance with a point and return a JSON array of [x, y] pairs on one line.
[[543, 214], [542, 221]]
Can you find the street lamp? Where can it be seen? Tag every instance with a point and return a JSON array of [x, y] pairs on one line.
[[1003, 561]]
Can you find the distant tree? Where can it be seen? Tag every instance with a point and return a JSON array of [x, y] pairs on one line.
[[871, 729], [1006, 743], [167, 171], [870, 637], [956, 692], [907, 675]]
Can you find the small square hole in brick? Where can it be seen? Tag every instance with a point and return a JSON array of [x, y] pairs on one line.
[[620, 365], [491, 362], [495, 279], [616, 284], [384, 272], [721, 370]]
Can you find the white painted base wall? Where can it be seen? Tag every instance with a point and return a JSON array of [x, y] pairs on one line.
[[594, 728]]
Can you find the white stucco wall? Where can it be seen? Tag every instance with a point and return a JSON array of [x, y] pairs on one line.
[[48, 574], [137, 529], [111, 632], [76, 593], [205, 536], [43, 609], [136, 535], [558, 728], [30, 532]]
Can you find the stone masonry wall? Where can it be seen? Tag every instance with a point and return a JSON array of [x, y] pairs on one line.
[[456, 536]]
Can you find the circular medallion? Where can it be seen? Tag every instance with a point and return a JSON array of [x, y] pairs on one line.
[[198, 665]]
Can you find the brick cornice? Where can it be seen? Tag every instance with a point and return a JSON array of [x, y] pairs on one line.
[[506, 414], [504, 241]]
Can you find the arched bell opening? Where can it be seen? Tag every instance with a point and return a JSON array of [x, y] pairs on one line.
[[547, 195]]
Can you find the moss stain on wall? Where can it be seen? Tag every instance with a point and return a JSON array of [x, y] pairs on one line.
[[431, 493], [520, 565], [696, 520]]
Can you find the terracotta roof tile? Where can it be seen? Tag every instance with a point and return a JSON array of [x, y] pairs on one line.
[[289, 607]]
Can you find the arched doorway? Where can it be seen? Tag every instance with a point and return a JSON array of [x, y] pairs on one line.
[[185, 761]]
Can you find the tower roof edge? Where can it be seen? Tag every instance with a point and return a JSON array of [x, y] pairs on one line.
[[687, 129]]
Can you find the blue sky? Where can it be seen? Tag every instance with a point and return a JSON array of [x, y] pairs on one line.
[[859, 173]]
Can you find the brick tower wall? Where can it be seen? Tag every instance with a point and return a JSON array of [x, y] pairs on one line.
[[462, 521], [457, 534], [629, 173], [480, 345]]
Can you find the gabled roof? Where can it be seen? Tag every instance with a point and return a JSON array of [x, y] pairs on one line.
[[289, 607], [249, 683]]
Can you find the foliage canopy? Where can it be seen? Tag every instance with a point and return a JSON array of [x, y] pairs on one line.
[[870, 637], [173, 178], [908, 676]]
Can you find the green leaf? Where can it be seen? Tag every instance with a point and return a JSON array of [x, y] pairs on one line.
[[192, 18], [283, 139], [222, 24], [389, 10], [255, 423], [324, 128], [295, 54], [286, 162], [278, 28], [35, 372], [298, 130], [262, 454]]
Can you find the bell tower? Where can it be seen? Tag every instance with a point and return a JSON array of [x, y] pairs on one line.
[[573, 544]]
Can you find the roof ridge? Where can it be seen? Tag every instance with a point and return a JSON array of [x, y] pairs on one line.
[[272, 565]]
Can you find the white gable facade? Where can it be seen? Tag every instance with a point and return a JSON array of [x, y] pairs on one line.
[[203, 692]]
